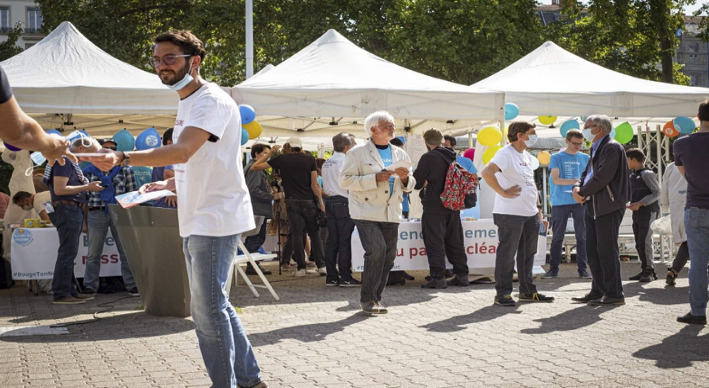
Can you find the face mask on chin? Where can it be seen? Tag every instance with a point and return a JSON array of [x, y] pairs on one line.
[[179, 85], [27, 207]]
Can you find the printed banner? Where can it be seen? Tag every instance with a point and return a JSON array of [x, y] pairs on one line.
[[34, 253]]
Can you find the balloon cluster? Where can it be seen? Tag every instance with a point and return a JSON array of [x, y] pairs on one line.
[[680, 125], [250, 128]]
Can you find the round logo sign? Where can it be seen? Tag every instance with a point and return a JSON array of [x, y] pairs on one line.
[[22, 236]]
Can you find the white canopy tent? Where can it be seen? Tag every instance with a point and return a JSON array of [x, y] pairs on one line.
[[553, 81], [332, 82], [66, 78]]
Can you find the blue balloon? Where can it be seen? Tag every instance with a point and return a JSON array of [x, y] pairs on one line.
[[124, 140], [54, 131], [567, 125], [150, 138], [511, 111], [244, 136], [402, 138], [685, 125], [248, 114], [613, 133]]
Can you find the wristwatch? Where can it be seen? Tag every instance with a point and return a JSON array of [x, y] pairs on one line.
[[126, 159]]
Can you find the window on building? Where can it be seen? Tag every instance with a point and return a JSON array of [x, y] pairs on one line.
[[4, 19], [34, 19]]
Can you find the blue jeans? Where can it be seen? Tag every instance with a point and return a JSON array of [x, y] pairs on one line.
[[68, 219], [98, 222], [559, 217], [518, 235], [338, 249], [379, 242], [253, 243], [696, 224], [226, 351]]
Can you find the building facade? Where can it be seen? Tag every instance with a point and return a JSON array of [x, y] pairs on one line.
[[693, 53], [25, 12]]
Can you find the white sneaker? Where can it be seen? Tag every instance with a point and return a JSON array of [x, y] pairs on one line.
[[299, 273], [322, 271], [311, 271]]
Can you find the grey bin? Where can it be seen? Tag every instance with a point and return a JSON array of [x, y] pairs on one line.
[[153, 245]]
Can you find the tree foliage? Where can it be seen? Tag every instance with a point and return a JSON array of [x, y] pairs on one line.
[[458, 40], [9, 47]]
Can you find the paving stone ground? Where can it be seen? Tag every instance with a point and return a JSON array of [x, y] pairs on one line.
[[316, 337]]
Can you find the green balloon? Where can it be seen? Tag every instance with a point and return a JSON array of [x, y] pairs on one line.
[[624, 133]]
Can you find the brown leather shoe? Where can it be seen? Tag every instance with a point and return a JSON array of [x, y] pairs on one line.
[[69, 300]]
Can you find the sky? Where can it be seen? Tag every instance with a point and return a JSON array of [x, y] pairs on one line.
[[689, 9]]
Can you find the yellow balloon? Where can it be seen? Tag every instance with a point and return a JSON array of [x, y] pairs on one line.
[[489, 136], [544, 157], [547, 120], [254, 129], [489, 153]]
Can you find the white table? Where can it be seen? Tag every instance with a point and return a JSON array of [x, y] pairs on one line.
[[34, 253], [480, 239]]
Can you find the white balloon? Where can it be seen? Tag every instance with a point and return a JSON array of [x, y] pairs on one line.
[[535, 163]]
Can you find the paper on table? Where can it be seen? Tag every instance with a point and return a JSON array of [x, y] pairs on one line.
[[135, 198], [400, 163]]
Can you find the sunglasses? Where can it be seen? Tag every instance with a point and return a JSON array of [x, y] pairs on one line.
[[167, 60]]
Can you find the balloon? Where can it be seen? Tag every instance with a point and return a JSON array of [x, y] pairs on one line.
[[402, 138], [544, 157], [535, 163], [489, 136], [244, 136], [612, 134], [624, 133], [11, 147], [511, 111], [54, 131], [684, 125], [669, 129], [547, 120], [253, 129], [567, 125], [124, 140], [150, 138], [489, 153], [248, 114], [469, 153]]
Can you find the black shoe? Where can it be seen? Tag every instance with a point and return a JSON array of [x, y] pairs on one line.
[[585, 275], [671, 276], [648, 276], [251, 271], [607, 301], [350, 283], [435, 283], [332, 283], [449, 273], [586, 298], [638, 276], [408, 276], [695, 319], [550, 274], [505, 300], [535, 297], [459, 280]]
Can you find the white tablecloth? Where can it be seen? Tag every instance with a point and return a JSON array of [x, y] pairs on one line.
[[480, 239], [34, 253]]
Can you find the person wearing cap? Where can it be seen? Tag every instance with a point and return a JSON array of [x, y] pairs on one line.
[[299, 173], [376, 176], [115, 181]]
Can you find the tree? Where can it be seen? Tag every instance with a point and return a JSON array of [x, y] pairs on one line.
[[8, 48]]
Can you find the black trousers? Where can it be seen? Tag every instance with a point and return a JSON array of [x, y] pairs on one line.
[[681, 257], [443, 237], [643, 237], [602, 252], [338, 249]]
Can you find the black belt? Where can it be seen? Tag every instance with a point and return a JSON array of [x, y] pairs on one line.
[[65, 202], [337, 198], [92, 208]]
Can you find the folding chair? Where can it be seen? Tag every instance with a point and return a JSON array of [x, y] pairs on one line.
[[252, 258]]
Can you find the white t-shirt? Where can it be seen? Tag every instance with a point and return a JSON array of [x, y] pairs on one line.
[[40, 199], [331, 174], [516, 170], [214, 199]]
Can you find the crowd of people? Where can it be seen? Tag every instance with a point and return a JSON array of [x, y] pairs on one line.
[[365, 186]]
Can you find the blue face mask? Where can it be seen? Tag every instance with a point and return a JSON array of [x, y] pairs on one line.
[[183, 82]]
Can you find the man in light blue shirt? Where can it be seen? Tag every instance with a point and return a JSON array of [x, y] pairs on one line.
[[450, 142], [565, 170]]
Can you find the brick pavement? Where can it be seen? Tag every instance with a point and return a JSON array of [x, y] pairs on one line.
[[315, 337]]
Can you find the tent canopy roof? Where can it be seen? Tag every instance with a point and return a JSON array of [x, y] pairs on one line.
[[66, 73], [332, 77], [553, 81]]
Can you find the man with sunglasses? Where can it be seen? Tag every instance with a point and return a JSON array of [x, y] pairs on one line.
[[565, 170], [215, 206]]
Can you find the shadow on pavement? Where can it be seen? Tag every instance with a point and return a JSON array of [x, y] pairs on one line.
[[115, 327], [460, 322], [679, 350], [579, 317], [306, 333]]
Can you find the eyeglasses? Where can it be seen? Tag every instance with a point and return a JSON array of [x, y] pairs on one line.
[[589, 127], [168, 59], [576, 144]]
